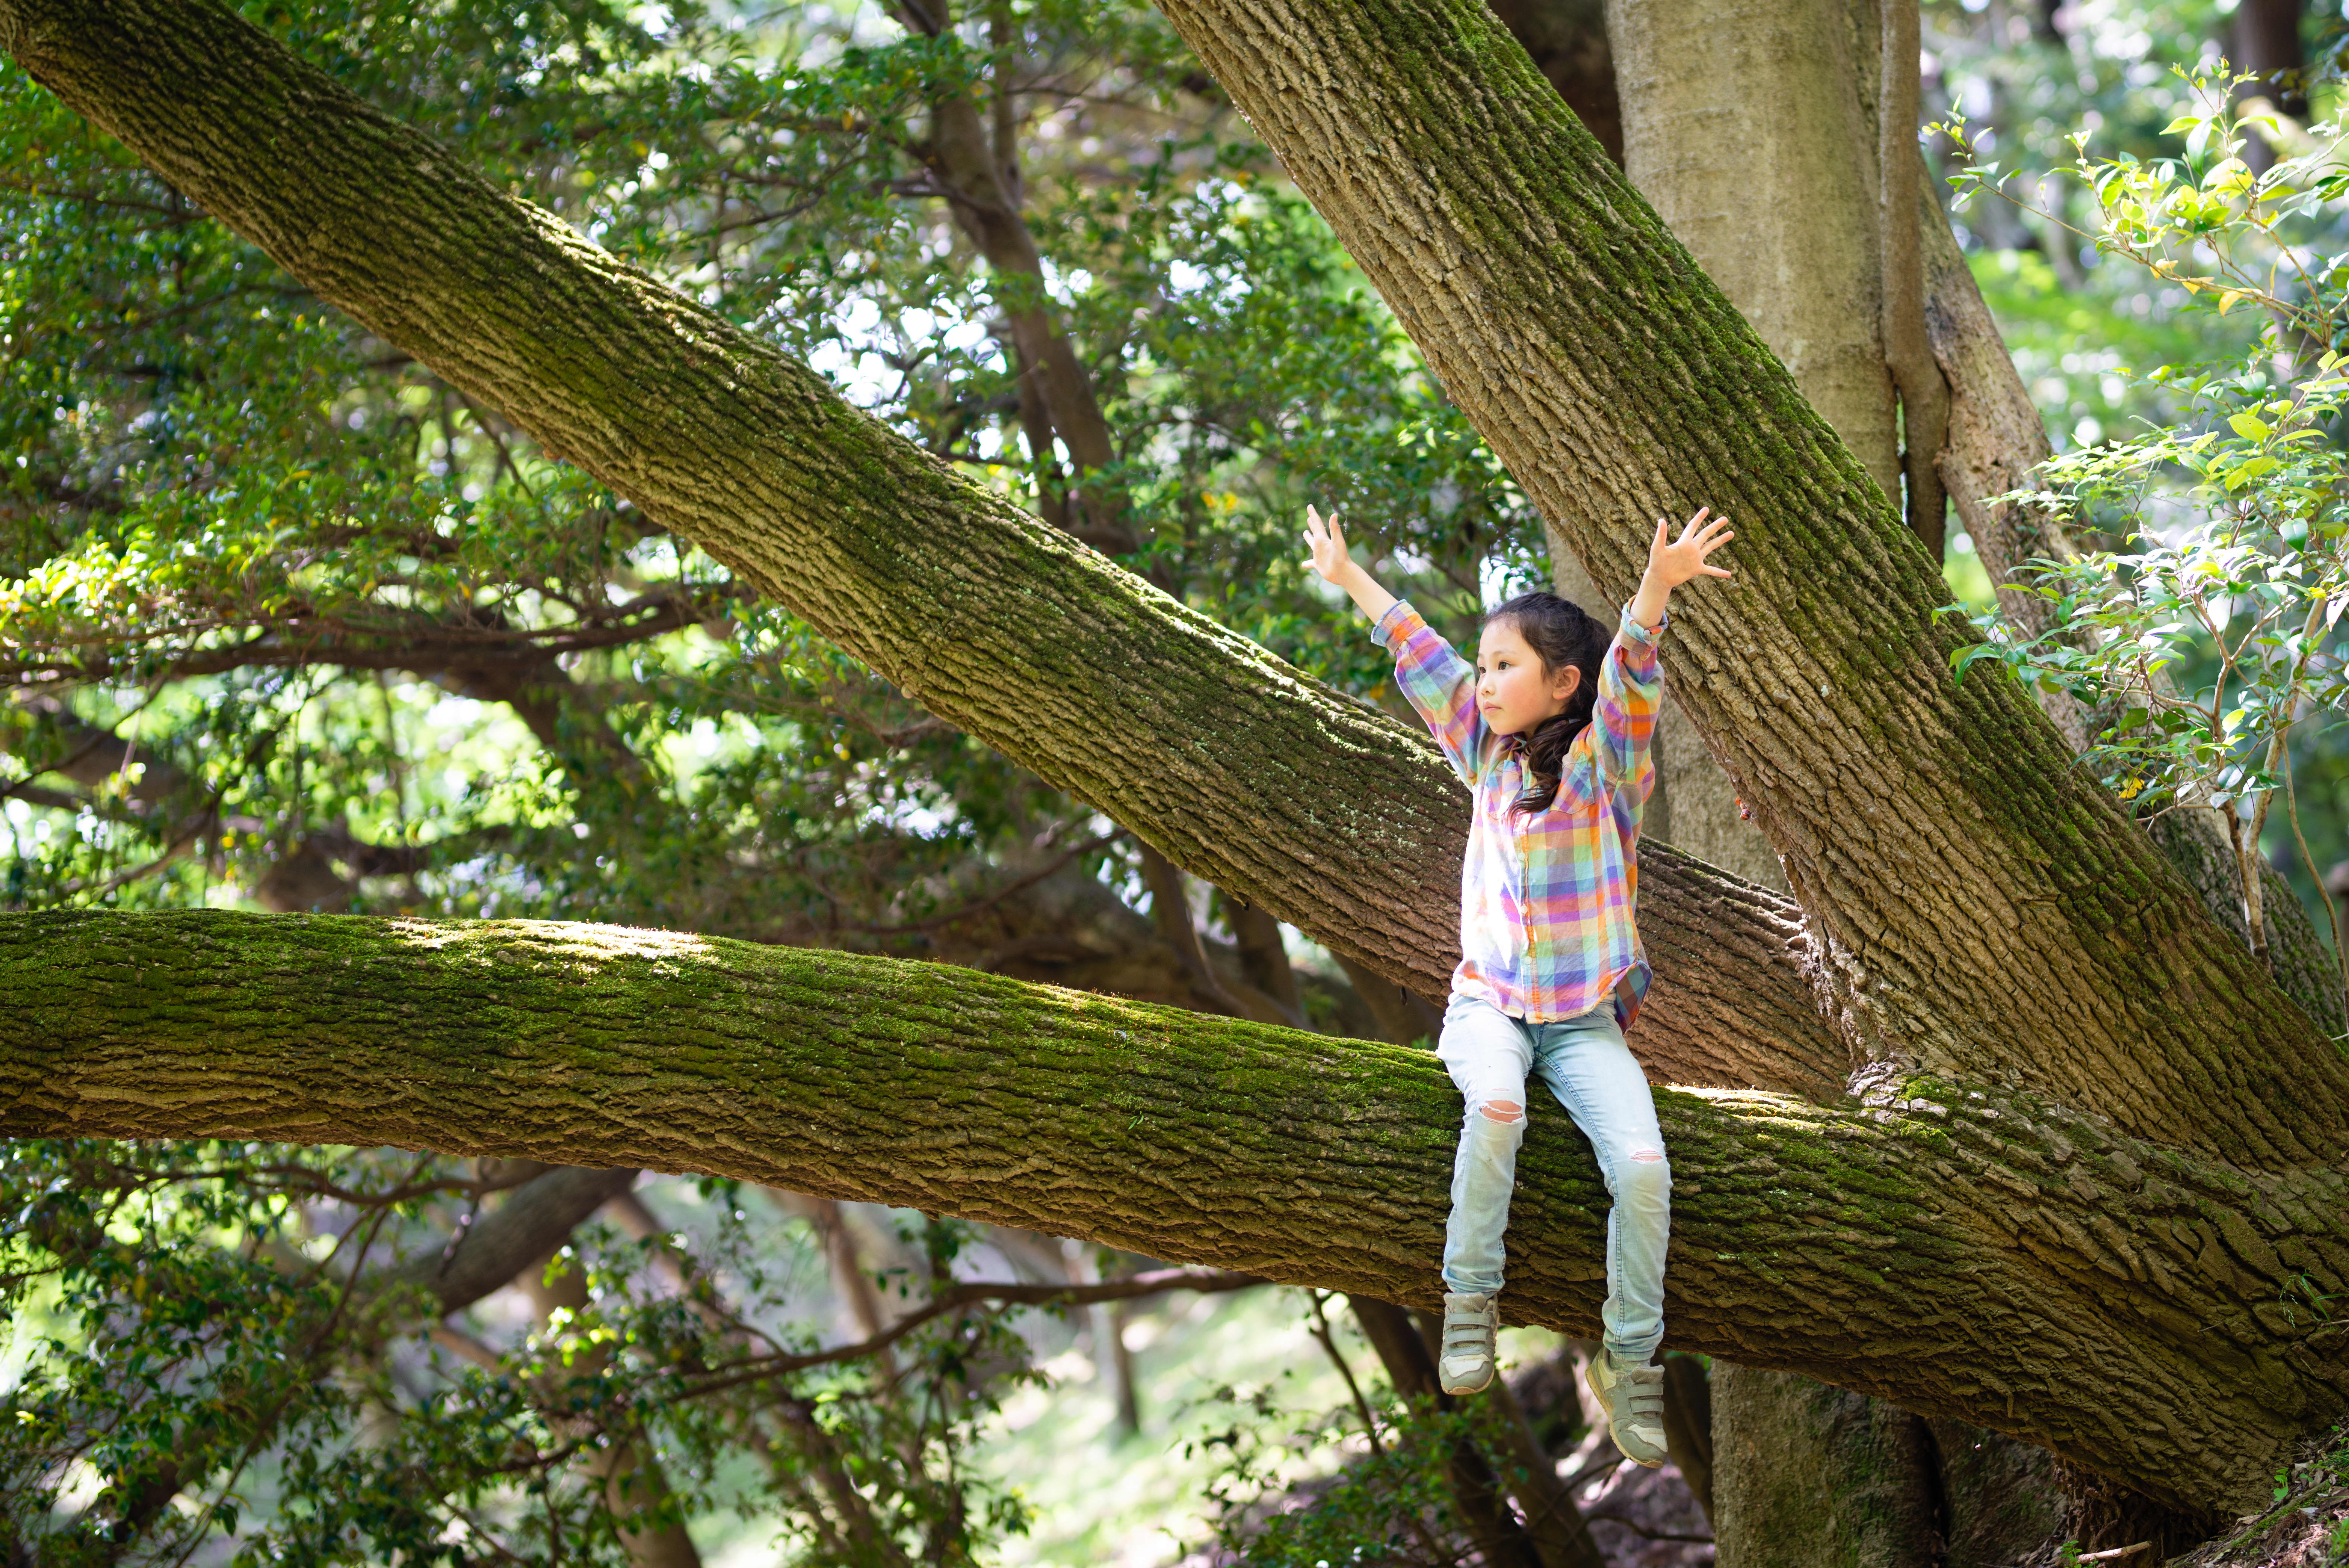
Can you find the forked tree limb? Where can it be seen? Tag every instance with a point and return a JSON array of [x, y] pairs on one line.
[[1957, 1249], [1980, 906], [1605, 370]]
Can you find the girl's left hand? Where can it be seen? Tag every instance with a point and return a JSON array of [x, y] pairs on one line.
[[1672, 563]]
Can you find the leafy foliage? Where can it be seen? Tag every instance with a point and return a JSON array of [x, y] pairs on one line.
[[232, 1324], [2208, 637], [279, 559], [1277, 1502]]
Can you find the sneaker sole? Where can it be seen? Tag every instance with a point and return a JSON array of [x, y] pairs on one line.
[[1465, 1388], [1590, 1377]]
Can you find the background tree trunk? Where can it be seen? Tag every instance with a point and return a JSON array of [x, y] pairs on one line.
[[1555, 1534], [1649, 391], [1800, 193], [1812, 1477], [1749, 126]]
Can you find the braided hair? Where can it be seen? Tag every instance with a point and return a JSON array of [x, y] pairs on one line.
[[1560, 633]]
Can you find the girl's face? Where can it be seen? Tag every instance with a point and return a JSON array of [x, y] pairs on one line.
[[1513, 691]]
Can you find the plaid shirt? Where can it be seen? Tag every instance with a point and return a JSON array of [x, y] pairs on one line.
[[1547, 899]]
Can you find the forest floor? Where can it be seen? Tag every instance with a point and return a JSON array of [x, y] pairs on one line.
[[2308, 1525], [1103, 1497], [1141, 1500]]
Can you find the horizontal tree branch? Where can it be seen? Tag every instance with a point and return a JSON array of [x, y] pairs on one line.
[[1964, 1251]]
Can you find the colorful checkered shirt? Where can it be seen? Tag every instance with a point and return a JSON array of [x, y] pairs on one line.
[[1548, 927]]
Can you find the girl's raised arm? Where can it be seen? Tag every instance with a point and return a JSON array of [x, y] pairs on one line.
[[1631, 688], [1334, 566], [1436, 681]]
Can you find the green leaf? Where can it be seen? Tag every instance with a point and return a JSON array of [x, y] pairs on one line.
[[2251, 427], [2238, 477]]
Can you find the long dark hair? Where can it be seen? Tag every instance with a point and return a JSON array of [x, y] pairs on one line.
[[1560, 632]]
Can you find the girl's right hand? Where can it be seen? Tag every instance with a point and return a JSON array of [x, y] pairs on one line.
[[1327, 540]]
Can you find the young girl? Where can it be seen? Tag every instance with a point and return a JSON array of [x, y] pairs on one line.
[[1550, 732]]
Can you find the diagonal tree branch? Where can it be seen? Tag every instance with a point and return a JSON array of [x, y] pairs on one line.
[[1619, 385]]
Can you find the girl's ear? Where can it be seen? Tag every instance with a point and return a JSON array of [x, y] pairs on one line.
[[1568, 681]]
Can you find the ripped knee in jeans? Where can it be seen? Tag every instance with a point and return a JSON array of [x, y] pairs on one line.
[[1505, 1112]]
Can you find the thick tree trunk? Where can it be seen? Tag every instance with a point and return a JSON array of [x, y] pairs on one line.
[[2267, 41], [1729, 168], [1824, 82], [1567, 42], [1813, 1477], [1994, 1258], [1319, 810], [1695, 807], [1609, 373]]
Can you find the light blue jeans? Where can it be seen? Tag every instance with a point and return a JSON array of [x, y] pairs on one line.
[[1594, 1077]]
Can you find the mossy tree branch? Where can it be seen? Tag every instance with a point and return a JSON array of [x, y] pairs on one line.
[[2118, 1289], [1961, 1252]]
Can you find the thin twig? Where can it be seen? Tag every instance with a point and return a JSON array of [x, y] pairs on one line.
[[1321, 1332], [1205, 1280], [2332, 910], [1029, 880], [1642, 1530]]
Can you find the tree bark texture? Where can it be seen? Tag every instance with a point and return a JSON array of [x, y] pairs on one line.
[[534, 1220], [1567, 42], [1982, 910], [1836, 82], [1998, 1259], [1321, 810], [1908, 350], [1996, 442], [1609, 374], [1695, 807]]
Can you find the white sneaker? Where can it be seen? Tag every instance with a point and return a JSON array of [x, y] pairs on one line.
[[1469, 1324], [1633, 1399]]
